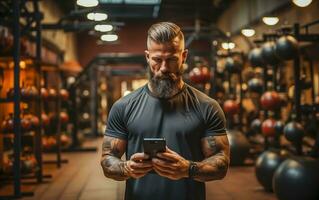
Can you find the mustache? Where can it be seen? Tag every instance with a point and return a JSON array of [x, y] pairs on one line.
[[169, 75]]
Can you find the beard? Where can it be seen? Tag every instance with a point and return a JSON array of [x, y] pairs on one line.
[[165, 85]]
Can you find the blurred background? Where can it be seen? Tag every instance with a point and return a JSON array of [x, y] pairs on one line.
[[64, 63]]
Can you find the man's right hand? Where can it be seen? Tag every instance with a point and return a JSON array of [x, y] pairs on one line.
[[138, 165]]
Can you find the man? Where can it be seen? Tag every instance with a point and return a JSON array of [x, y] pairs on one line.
[[192, 124]]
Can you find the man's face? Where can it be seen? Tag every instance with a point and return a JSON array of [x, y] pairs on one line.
[[165, 61]]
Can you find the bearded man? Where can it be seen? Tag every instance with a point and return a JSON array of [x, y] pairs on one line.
[[192, 124]]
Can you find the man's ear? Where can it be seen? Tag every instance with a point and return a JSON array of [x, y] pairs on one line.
[[185, 53], [147, 55]]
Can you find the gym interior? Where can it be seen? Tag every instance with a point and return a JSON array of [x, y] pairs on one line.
[[63, 65]]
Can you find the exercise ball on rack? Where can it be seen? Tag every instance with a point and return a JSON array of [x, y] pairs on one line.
[[231, 107], [232, 65], [287, 47], [268, 128], [255, 125], [279, 127], [239, 147], [294, 132], [256, 85], [270, 100], [297, 178], [255, 58], [268, 52]]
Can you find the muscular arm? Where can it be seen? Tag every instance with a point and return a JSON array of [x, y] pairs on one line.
[[112, 151], [215, 164]]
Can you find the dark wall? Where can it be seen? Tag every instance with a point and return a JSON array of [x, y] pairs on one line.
[[132, 39]]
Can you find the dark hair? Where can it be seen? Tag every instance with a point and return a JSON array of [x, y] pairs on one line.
[[164, 32]]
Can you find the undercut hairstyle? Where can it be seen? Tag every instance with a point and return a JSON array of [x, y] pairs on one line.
[[164, 32]]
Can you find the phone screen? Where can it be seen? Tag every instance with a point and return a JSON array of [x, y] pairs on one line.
[[154, 145]]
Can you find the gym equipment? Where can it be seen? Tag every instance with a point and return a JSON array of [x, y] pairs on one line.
[[200, 75], [270, 100], [239, 147], [266, 165], [268, 127], [256, 125], [32, 92], [45, 120], [64, 117], [255, 58], [294, 132], [297, 178], [52, 93], [279, 127], [44, 93], [232, 65], [269, 54], [287, 47], [7, 124], [255, 85], [25, 123], [231, 107], [64, 94]]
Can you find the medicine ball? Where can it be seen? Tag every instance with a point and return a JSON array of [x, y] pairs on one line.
[[279, 127], [255, 85], [294, 132], [268, 128], [239, 147], [255, 58], [231, 107], [269, 54], [287, 47], [297, 178], [232, 65], [256, 125], [270, 100], [266, 165]]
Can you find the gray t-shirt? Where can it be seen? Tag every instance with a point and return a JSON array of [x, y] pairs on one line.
[[182, 120]]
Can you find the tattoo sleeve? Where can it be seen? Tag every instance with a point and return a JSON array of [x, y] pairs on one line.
[[112, 151], [215, 164]]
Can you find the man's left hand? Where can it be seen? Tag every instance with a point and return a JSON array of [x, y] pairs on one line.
[[171, 165]]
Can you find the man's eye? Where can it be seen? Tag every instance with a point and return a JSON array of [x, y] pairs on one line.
[[172, 60], [157, 60]]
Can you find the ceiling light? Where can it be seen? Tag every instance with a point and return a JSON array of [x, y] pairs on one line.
[[109, 37], [270, 20], [248, 32], [228, 45], [97, 16], [302, 3], [103, 27], [87, 3]]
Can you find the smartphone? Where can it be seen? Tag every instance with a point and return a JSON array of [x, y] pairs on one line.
[[152, 146]]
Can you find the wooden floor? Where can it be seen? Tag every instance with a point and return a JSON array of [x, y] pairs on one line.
[[82, 179]]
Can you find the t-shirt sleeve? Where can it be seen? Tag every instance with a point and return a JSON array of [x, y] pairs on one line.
[[116, 126], [215, 121]]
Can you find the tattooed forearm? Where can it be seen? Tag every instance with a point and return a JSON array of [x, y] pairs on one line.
[[113, 166], [215, 166]]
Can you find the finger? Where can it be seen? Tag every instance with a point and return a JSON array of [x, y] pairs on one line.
[[167, 175], [171, 151], [139, 157], [135, 165], [141, 171], [163, 171], [164, 163], [161, 163], [168, 156]]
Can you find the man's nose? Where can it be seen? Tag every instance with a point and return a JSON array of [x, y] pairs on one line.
[[164, 67]]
